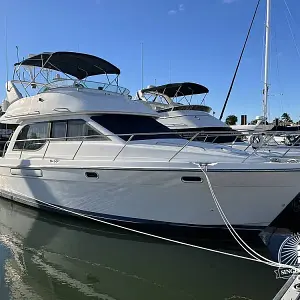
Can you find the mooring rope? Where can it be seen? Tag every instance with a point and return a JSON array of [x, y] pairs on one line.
[[256, 257]]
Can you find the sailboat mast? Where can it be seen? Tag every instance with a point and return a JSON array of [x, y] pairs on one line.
[[266, 85]]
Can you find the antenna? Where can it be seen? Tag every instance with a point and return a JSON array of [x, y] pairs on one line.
[[6, 53], [142, 65], [18, 54]]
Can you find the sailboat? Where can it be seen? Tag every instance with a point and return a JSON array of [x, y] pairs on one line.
[[194, 118], [261, 124]]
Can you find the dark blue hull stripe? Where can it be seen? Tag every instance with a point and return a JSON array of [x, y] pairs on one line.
[[157, 223], [121, 219]]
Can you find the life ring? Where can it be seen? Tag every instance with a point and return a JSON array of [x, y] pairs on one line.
[[293, 160], [290, 140], [256, 140]]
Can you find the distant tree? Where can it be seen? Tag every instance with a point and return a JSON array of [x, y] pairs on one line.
[[231, 120], [280, 122], [286, 118]]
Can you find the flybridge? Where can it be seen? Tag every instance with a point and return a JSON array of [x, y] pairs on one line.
[[79, 65], [51, 70], [49, 67], [178, 89], [56, 83], [169, 96]]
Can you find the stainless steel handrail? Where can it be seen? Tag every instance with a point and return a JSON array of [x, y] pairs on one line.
[[203, 134], [184, 146]]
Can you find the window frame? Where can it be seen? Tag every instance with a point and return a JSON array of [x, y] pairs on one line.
[[35, 140], [66, 130], [102, 137]]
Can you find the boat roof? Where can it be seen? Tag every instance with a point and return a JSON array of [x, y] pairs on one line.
[[79, 65], [178, 89]]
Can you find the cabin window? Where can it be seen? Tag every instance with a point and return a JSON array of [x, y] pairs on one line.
[[35, 133], [79, 128], [67, 129], [59, 129], [126, 125], [74, 130]]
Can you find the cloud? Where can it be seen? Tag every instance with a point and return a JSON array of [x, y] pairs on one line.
[[229, 1], [181, 8], [172, 12]]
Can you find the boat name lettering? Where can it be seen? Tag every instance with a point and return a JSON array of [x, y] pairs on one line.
[[54, 161]]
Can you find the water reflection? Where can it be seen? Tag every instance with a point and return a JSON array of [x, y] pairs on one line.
[[44, 256]]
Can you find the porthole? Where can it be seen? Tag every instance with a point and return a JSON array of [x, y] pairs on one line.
[[191, 179], [91, 174]]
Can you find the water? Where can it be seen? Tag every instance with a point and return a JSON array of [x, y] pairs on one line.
[[45, 256]]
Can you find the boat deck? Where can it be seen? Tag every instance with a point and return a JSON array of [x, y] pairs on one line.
[[290, 290]]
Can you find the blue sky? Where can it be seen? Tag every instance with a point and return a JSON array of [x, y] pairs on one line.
[[201, 39]]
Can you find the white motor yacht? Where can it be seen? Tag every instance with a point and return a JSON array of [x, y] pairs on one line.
[[86, 147], [195, 121], [173, 102]]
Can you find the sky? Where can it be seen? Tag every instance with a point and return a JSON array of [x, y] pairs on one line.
[[185, 40]]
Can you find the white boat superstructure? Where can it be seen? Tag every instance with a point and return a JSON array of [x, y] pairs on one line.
[[195, 121], [173, 102], [87, 147], [259, 125]]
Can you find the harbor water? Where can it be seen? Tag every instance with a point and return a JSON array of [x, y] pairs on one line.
[[49, 256]]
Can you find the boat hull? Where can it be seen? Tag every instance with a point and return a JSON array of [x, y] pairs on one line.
[[250, 200]]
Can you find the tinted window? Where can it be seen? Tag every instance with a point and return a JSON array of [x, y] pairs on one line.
[[129, 124], [38, 131], [59, 129], [71, 129], [79, 128], [76, 128]]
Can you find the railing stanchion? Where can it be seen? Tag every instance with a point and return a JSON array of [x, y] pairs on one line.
[[46, 148], [22, 149], [236, 137], [123, 147], [83, 138], [184, 145]]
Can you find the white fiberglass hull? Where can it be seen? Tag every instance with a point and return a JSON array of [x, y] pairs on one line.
[[249, 199]]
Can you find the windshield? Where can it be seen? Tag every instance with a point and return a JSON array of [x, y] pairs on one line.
[[133, 124], [57, 83]]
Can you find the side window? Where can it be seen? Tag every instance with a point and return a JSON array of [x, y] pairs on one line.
[[59, 129], [76, 129], [79, 128], [38, 132], [19, 145]]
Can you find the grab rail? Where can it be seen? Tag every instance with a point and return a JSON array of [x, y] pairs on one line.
[[268, 136]]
